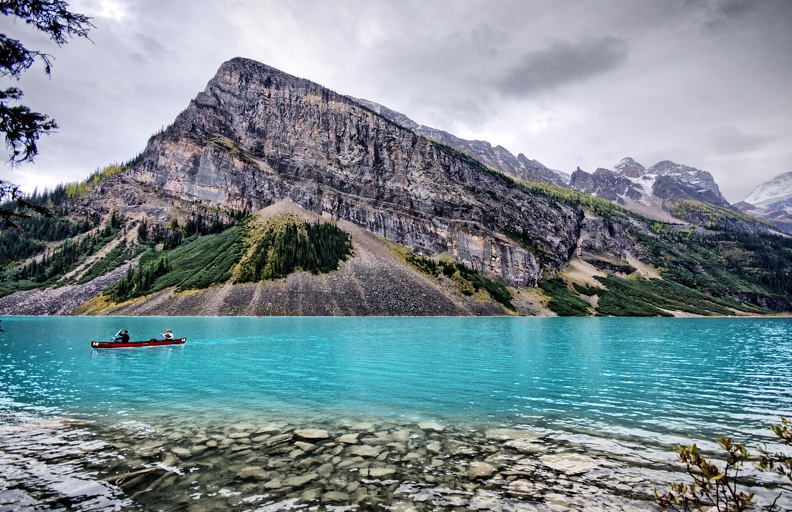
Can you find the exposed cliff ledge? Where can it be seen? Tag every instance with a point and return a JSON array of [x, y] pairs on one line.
[[257, 135], [375, 281]]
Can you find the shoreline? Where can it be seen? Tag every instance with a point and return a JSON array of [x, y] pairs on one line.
[[231, 462], [342, 465]]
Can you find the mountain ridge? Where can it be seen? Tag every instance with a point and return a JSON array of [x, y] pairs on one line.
[[650, 191], [771, 201], [498, 157], [463, 237]]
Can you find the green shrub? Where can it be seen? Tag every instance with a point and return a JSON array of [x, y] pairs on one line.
[[563, 302], [497, 291], [725, 488]]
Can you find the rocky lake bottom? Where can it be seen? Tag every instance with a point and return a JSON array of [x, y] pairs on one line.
[[61, 464], [212, 464]]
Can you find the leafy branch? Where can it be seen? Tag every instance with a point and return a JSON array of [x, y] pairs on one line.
[[719, 489]]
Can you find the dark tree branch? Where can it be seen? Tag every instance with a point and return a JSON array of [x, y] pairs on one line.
[[50, 16], [22, 126], [11, 192], [15, 58]]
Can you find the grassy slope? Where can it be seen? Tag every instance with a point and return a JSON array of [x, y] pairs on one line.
[[721, 255]]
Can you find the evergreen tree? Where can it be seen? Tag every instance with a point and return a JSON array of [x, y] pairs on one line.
[[22, 126]]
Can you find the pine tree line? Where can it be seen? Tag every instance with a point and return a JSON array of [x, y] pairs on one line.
[[173, 235], [140, 280], [28, 240], [313, 247], [55, 263]]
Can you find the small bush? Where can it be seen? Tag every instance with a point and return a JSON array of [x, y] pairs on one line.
[[563, 302], [434, 268]]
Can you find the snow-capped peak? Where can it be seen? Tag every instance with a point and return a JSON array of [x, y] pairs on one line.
[[628, 166], [773, 191]]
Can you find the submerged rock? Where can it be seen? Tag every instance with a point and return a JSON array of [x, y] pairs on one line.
[[311, 434], [349, 439], [417, 467], [252, 473], [479, 470], [364, 450], [431, 425], [570, 463]]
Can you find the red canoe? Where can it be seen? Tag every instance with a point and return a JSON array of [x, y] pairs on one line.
[[130, 344]]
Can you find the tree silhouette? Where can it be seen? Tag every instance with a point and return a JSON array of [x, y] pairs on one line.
[[22, 126]]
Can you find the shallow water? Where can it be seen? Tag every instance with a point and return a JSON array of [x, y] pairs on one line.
[[620, 392]]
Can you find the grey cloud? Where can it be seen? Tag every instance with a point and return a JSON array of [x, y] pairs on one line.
[[730, 141], [488, 41], [150, 46], [717, 12], [562, 62]]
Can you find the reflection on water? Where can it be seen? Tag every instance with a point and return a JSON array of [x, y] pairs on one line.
[[592, 407]]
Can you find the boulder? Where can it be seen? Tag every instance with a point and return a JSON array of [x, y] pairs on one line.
[[480, 470], [311, 434]]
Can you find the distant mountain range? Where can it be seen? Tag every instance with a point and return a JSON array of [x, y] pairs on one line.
[[645, 191], [771, 201], [649, 191], [272, 195]]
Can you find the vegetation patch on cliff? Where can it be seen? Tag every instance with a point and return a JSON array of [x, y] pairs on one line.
[[286, 244], [711, 216], [637, 296], [657, 297], [723, 262], [600, 207], [469, 282], [563, 301], [197, 263]]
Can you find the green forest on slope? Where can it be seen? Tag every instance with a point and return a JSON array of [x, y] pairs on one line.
[[721, 252], [211, 259], [722, 262]]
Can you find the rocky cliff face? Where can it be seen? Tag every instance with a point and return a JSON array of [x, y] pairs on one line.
[[256, 136], [607, 185], [632, 185], [498, 157]]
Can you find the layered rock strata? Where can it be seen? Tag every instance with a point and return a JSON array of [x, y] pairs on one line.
[[257, 136]]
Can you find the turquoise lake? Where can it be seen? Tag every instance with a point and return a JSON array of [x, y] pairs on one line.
[[643, 381]]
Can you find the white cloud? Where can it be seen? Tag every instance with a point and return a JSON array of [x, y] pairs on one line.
[[108, 9]]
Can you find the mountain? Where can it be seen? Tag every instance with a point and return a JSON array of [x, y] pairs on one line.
[[257, 136], [272, 195], [498, 158], [771, 201], [653, 191]]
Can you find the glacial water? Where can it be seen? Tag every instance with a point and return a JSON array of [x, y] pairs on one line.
[[619, 392]]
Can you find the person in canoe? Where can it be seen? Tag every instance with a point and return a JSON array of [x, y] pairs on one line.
[[168, 335], [122, 336]]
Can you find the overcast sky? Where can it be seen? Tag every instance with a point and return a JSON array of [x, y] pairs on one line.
[[707, 83]]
